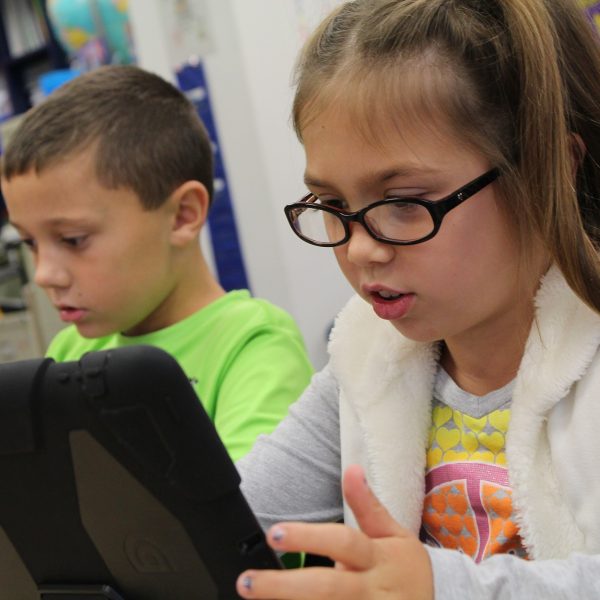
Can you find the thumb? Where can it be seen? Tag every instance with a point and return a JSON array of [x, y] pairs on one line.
[[372, 517]]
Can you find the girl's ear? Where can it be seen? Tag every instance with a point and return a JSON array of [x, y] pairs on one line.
[[190, 204], [578, 152]]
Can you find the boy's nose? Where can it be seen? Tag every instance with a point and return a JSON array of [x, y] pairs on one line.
[[49, 272], [362, 249]]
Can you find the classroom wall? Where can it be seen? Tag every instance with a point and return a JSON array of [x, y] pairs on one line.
[[249, 49]]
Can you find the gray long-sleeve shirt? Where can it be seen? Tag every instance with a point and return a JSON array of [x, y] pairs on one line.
[[295, 474]]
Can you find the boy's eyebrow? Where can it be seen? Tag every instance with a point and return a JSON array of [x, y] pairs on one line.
[[18, 227], [59, 222], [377, 176]]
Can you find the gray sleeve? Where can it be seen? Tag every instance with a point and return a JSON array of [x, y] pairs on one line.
[[294, 474], [504, 577]]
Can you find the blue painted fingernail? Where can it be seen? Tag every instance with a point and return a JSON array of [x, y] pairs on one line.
[[277, 534], [247, 582]]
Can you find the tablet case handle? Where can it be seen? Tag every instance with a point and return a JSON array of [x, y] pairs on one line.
[[22, 378], [78, 592]]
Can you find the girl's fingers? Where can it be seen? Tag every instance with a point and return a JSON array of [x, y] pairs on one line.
[[371, 516], [301, 584], [355, 551], [340, 543]]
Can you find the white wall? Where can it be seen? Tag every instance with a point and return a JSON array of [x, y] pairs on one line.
[[253, 46]]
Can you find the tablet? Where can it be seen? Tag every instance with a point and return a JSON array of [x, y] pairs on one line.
[[115, 485]]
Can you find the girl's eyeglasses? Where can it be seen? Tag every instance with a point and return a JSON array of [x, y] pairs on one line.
[[401, 221]]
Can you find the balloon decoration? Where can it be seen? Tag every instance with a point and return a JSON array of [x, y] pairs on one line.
[[93, 32]]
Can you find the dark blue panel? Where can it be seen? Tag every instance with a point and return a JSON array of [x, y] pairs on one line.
[[221, 221]]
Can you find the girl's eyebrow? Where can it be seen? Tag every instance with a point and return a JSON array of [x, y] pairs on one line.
[[377, 176]]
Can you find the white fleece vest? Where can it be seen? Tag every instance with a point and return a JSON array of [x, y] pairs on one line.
[[553, 443]]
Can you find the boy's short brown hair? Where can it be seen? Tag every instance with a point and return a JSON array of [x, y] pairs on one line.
[[147, 134]]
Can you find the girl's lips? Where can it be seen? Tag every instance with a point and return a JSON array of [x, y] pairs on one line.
[[392, 308], [71, 315]]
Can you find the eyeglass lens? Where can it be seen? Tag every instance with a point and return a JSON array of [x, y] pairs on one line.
[[394, 221]]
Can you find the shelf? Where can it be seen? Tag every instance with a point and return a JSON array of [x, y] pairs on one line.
[[23, 59], [19, 72], [10, 272]]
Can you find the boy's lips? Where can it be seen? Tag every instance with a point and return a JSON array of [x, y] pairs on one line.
[[71, 314], [390, 304]]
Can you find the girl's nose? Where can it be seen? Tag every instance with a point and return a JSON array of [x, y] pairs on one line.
[[362, 249]]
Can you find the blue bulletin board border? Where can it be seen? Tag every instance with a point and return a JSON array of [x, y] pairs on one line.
[[227, 252]]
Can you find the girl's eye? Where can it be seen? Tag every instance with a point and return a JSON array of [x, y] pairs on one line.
[[406, 193], [333, 203]]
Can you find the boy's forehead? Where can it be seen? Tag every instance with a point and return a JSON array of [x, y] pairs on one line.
[[79, 164], [64, 192]]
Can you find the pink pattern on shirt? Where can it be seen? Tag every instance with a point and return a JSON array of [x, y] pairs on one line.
[[463, 495]]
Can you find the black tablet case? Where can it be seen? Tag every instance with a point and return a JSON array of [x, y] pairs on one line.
[[115, 484]]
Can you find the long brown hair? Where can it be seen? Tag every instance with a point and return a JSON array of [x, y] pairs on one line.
[[522, 83]]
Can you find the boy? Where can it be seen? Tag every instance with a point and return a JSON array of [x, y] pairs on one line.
[[109, 182]]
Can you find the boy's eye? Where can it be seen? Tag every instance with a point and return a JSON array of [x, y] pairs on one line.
[[30, 243], [75, 241]]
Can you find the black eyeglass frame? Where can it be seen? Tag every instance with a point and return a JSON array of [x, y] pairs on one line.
[[438, 209]]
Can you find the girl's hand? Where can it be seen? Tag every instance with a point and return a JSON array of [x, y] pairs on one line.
[[382, 560]]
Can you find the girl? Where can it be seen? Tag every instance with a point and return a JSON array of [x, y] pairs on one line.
[[453, 151]]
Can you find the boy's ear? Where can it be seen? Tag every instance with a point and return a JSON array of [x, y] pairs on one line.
[[190, 204]]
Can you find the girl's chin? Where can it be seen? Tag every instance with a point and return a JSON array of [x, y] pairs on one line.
[[416, 330]]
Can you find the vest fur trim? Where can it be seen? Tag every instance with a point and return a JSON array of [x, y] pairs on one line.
[[386, 384]]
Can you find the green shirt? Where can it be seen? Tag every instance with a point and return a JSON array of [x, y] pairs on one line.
[[244, 356]]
